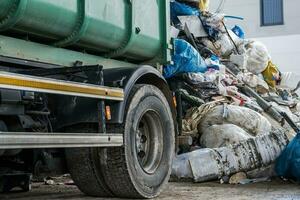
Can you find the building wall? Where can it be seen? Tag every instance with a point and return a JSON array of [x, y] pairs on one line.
[[284, 51], [283, 41], [250, 10]]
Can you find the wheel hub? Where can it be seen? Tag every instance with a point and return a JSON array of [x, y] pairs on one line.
[[149, 145]]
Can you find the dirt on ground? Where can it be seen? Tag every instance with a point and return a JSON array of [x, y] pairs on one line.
[[274, 190]]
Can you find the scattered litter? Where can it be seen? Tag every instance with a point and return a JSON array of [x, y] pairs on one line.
[[195, 115], [60, 180], [223, 45], [254, 81], [237, 178], [70, 182], [49, 181], [230, 97], [256, 180], [209, 164], [194, 78], [262, 172]]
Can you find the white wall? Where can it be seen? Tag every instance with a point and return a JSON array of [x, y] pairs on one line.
[[250, 10], [285, 51]]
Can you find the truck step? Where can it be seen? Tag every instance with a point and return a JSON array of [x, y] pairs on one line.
[[25, 140]]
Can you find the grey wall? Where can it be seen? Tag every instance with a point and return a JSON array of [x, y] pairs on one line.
[[250, 10]]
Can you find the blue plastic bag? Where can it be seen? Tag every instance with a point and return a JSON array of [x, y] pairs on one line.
[[238, 31], [180, 9], [288, 163], [214, 62], [186, 59]]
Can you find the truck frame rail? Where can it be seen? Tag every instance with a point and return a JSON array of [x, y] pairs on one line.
[[25, 140]]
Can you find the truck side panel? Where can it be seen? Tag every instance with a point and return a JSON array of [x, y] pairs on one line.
[[131, 28]]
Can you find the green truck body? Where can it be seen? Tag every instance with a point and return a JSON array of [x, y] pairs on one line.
[[135, 30], [81, 87]]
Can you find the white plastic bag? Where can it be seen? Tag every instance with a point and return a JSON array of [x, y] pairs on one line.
[[210, 164], [257, 57], [239, 60], [289, 80], [223, 135], [251, 121]]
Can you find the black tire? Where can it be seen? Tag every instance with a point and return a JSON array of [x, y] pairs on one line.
[[128, 173], [84, 165], [121, 171]]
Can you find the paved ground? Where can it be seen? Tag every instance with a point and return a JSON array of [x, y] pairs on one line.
[[275, 190]]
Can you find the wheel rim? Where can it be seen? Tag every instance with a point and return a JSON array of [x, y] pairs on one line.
[[149, 141]]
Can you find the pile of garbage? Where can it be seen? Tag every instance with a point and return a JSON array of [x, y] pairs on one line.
[[230, 97]]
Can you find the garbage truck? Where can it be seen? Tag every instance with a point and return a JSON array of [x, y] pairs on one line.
[[82, 93]]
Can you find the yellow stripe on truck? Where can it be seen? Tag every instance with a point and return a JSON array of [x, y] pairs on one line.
[[31, 83]]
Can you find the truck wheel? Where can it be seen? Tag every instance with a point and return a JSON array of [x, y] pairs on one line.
[[141, 168], [84, 165]]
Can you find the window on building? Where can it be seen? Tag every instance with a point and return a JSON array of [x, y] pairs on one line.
[[271, 12]]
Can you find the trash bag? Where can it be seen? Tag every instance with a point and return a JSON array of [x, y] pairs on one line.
[[257, 57], [194, 117], [181, 167], [223, 135], [288, 163], [289, 80], [271, 74], [181, 9], [186, 59], [209, 164], [251, 121]]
